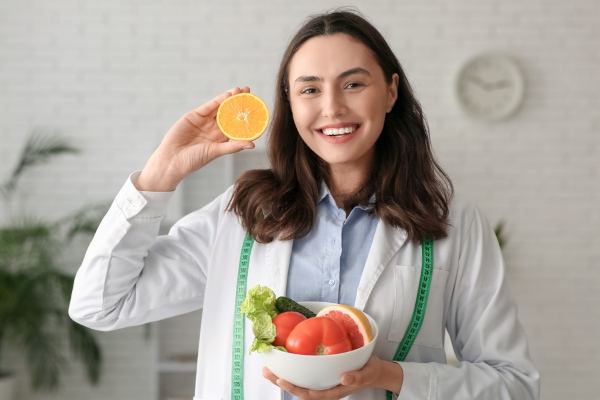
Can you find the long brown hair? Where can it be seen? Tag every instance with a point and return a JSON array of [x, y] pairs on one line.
[[411, 190]]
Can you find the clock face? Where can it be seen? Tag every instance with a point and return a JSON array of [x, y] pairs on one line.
[[490, 87]]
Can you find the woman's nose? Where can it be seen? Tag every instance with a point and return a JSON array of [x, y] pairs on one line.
[[333, 104]]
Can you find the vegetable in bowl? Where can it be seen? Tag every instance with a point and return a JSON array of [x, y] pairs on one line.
[[282, 323], [259, 307]]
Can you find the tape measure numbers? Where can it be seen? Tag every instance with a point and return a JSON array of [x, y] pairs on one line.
[[237, 362]]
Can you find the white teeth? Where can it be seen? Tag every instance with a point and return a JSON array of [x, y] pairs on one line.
[[340, 131]]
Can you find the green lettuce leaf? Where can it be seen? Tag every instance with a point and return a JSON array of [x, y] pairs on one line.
[[261, 346], [259, 307], [260, 299]]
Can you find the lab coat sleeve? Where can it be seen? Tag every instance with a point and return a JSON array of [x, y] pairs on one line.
[[486, 334], [129, 276]]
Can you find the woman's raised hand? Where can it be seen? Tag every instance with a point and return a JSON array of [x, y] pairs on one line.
[[194, 141]]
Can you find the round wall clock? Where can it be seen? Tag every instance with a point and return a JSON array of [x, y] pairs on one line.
[[490, 86]]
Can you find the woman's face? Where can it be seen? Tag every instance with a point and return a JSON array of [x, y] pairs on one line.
[[339, 98]]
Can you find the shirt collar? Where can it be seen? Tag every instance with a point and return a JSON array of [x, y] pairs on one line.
[[325, 193]]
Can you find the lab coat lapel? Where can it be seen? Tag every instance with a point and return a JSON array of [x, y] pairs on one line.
[[386, 242], [278, 254], [268, 267]]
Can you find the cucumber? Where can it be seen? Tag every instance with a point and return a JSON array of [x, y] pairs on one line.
[[284, 304]]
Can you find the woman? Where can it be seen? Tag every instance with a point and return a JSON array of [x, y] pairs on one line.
[[352, 192]]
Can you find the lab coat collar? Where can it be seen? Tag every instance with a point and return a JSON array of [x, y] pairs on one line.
[[386, 243]]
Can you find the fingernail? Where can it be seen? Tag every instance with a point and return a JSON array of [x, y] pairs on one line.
[[348, 380], [247, 147]]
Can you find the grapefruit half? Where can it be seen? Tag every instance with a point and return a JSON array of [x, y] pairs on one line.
[[355, 321]]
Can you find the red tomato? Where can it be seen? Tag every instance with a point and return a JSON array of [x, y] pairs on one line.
[[284, 323], [318, 336]]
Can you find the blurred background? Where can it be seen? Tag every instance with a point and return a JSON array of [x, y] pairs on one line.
[[112, 76]]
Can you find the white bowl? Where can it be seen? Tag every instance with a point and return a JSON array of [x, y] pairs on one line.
[[318, 372]]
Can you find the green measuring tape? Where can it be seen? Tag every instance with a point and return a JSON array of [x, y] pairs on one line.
[[237, 361], [420, 305]]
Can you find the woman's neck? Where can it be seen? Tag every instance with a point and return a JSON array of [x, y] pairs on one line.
[[345, 183]]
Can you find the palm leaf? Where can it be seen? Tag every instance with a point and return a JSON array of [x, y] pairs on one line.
[[35, 295], [28, 320], [86, 349], [28, 243], [38, 149], [34, 292], [44, 358]]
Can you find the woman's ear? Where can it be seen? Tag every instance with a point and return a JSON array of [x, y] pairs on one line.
[[393, 92]]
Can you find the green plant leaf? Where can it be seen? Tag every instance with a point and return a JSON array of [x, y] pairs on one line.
[[34, 292], [38, 149], [85, 348], [28, 243], [45, 360], [28, 320]]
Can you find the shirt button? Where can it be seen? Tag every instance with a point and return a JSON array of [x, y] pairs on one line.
[[331, 282]]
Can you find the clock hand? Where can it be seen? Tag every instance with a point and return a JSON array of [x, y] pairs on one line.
[[479, 82], [504, 83]]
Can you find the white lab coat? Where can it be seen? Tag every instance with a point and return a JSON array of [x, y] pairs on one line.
[[130, 277]]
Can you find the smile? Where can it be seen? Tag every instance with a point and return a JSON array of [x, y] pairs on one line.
[[339, 131]]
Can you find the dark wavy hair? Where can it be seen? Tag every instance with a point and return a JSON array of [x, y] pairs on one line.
[[412, 192]]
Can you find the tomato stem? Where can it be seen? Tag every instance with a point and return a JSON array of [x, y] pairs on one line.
[[321, 350]]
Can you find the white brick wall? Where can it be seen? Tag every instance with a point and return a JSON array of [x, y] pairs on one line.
[[114, 75]]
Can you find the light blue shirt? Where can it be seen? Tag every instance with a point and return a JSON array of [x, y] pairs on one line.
[[326, 264]]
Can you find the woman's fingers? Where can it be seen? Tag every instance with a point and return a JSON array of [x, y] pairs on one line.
[[351, 382], [232, 146], [207, 109], [204, 116], [285, 385], [269, 375], [210, 107], [336, 392], [192, 142]]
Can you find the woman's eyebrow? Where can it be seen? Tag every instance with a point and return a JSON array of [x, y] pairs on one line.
[[352, 71]]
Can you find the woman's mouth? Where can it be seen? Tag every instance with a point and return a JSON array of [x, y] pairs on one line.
[[339, 132]]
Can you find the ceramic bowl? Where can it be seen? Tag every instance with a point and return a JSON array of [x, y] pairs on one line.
[[318, 372]]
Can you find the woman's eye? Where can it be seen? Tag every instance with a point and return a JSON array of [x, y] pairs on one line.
[[309, 91], [354, 85]]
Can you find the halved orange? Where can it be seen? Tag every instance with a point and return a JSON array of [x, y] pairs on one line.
[[243, 116], [355, 321]]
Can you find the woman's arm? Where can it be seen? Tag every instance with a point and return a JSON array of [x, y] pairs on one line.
[[194, 141], [128, 275]]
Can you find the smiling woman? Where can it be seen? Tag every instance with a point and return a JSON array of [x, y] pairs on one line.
[[340, 112], [339, 73], [353, 210]]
